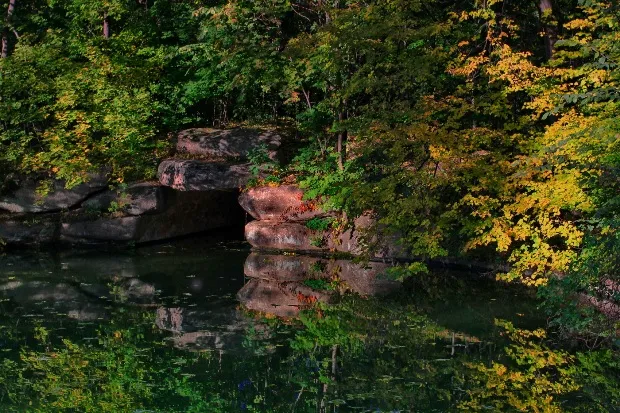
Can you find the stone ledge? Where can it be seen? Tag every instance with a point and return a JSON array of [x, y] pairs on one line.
[[23, 196], [194, 175]]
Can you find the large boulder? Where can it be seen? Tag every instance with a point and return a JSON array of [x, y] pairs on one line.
[[287, 236], [280, 203], [193, 175], [296, 236], [20, 194], [137, 199], [230, 143]]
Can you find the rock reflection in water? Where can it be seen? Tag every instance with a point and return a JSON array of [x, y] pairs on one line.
[[281, 284], [195, 306], [59, 297], [217, 328]]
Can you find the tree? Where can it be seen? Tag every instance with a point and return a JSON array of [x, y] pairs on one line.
[[7, 26]]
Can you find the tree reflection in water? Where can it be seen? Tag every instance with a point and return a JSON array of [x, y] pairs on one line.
[[306, 335]]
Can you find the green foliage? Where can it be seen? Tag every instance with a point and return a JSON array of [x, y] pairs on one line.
[[594, 274], [264, 169], [320, 224], [402, 272], [75, 103], [321, 284]]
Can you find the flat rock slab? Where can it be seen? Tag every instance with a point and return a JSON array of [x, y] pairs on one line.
[[22, 194], [229, 143], [280, 203], [137, 199], [194, 175], [186, 213]]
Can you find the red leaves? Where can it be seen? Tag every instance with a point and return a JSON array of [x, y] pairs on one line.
[[306, 299]]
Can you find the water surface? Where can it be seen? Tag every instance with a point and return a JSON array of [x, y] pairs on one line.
[[206, 326]]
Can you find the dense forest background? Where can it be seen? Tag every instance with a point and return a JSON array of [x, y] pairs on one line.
[[482, 128]]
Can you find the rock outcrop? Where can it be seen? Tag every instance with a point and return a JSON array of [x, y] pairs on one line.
[[286, 236], [218, 158], [283, 222], [232, 143], [29, 230], [296, 236], [283, 203], [190, 196], [166, 214], [137, 199]]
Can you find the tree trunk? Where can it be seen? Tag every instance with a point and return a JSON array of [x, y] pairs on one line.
[[550, 26], [106, 26], [5, 32], [342, 142]]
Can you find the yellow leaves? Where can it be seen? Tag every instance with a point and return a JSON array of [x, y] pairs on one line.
[[470, 66], [499, 369], [533, 265], [530, 221], [514, 68], [546, 183], [547, 240], [598, 78], [580, 24], [531, 383]]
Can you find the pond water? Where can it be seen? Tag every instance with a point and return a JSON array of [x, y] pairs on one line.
[[209, 326]]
